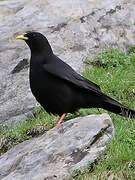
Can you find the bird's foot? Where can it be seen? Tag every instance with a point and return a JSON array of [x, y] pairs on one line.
[[60, 119]]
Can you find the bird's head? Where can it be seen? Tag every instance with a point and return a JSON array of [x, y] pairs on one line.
[[36, 41]]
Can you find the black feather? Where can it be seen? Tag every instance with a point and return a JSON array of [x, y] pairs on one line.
[[58, 88]]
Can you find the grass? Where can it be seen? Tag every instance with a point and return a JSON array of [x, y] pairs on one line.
[[114, 71]]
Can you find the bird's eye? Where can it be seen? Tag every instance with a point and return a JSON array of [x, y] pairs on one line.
[[33, 35]]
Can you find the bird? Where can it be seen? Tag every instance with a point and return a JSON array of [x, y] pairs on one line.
[[59, 88]]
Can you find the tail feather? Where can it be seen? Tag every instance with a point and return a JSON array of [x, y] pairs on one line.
[[117, 108]]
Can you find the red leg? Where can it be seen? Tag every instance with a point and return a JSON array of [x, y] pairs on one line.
[[60, 119]]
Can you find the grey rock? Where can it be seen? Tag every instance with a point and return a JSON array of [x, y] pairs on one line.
[[59, 152], [75, 29]]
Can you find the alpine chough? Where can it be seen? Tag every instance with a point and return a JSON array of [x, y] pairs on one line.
[[58, 88]]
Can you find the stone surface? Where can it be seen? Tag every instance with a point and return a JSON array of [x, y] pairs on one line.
[[58, 153], [75, 29]]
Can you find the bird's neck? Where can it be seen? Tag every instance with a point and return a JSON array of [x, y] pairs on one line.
[[40, 58], [40, 50]]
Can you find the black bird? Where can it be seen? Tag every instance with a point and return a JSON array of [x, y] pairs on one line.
[[58, 88]]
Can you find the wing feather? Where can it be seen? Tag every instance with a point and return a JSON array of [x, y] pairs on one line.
[[68, 74]]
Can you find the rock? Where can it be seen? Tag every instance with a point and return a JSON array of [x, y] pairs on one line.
[[59, 152], [20, 66], [75, 29]]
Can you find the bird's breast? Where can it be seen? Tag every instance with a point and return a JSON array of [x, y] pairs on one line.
[[53, 93]]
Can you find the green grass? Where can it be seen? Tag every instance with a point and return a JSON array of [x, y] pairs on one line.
[[116, 76], [114, 71], [33, 127]]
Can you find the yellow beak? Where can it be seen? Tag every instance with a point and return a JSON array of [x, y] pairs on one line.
[[22, 37]]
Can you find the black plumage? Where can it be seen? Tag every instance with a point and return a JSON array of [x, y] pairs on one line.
[[58, 88]]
